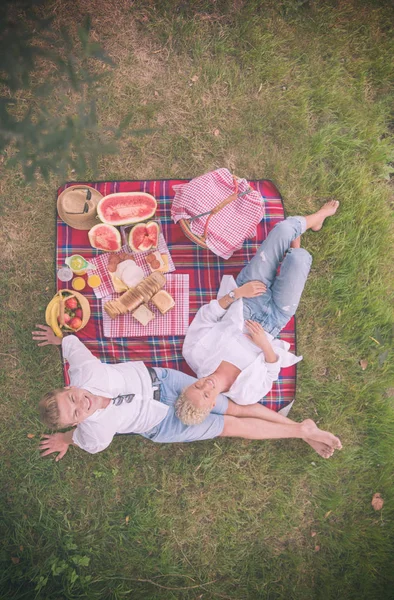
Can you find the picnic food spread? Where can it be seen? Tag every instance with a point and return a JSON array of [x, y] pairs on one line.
[[113, 210]]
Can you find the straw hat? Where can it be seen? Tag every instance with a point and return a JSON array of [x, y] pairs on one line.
[[77, 206]]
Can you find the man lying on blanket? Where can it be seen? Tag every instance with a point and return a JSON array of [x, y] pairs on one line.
[[231, 343], [108, 399]]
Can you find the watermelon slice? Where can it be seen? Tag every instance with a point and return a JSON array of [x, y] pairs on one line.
[[105, 237], [125, 208], [144, 237]]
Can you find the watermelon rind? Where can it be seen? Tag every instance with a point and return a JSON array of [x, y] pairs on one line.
[[128, 208], [105, 237]]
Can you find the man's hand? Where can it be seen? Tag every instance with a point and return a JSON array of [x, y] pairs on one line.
[[56, 442], [46, 337], [251, 289]]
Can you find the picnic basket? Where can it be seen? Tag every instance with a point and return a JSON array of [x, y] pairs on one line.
[[217, 211]]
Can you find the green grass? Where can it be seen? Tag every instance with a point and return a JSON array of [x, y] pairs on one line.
[[301, 92]]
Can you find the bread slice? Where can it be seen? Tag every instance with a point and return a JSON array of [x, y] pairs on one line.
[[163, 301], [143, 314]]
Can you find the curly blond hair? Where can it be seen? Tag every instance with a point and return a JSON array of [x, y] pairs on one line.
[[49, 409], [187, 412]]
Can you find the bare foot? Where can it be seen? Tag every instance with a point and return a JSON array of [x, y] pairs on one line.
[[322, 449], [312, 432], [296, 243], [327, 210]]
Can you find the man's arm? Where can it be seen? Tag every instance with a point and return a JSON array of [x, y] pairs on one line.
[[57, 442]]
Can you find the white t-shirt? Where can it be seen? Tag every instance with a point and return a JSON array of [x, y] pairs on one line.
[[218, 334], [110, 380]]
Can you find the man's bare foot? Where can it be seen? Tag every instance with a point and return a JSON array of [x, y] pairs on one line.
[[312, 432], [296, 243], [316, 220], [322, 449]]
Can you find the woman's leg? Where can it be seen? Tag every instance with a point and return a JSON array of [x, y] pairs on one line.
[[264, 264]]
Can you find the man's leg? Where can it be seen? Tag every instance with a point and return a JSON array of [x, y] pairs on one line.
[[259, 411], [260, 429]]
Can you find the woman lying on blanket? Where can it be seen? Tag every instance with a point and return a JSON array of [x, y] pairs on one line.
[[107, 399], [231, 343]]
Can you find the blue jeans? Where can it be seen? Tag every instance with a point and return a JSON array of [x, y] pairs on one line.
[[274, 309], [171, 429]]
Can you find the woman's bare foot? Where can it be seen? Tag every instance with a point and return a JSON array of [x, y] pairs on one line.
[[322, 449], [316, 220], [313, 433]]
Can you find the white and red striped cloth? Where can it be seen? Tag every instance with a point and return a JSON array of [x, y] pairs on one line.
[[227, 229], [175, 322], [106, 287]]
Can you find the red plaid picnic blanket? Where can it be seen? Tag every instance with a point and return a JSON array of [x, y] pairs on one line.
[[175, 322], [205, 271], [228, 228]]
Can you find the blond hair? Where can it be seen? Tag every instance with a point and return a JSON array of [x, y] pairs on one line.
[[187, 412], [49, 409]]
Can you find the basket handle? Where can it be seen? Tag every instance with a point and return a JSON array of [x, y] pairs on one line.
[[221, 205]]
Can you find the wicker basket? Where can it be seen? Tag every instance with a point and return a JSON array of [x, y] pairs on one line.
[[201, 240]]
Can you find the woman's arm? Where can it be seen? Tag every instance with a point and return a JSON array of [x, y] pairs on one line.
[[259, 337], [248, 290]]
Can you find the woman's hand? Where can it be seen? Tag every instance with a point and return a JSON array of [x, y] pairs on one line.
[[256, 333], [56, 442], [251, 289], [45, 336], [259, 337]]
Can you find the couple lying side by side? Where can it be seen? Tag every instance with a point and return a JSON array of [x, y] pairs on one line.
[[232, 347]]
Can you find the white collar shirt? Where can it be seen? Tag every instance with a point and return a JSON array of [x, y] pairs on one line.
[[217, 334], [111, 380]]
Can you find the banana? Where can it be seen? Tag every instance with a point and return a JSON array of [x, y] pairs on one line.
[[53, 318]]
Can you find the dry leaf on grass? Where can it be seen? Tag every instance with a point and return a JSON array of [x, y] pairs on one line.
[[313, 533], [31, 436], [127, 519], [317, 548], [363, 364], [216, 132], [194, 78], [377, 502], [15, 560]]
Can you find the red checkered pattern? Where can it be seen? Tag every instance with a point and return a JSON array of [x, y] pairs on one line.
[[106, 288], [205, 271], [175, 322], [227, 229]]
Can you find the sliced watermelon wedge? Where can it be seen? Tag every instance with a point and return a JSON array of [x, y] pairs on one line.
[[144, 237], [105, 237]]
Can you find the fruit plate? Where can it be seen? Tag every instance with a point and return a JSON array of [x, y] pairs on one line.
[[101, 262]]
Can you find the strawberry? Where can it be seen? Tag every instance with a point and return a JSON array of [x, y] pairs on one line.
[[75, 323], [71, 303]]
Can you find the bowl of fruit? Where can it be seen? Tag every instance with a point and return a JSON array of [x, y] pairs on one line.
[[67, 312]]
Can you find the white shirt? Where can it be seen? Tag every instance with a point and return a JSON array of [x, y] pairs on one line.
[[110, 380], [217, 334]]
